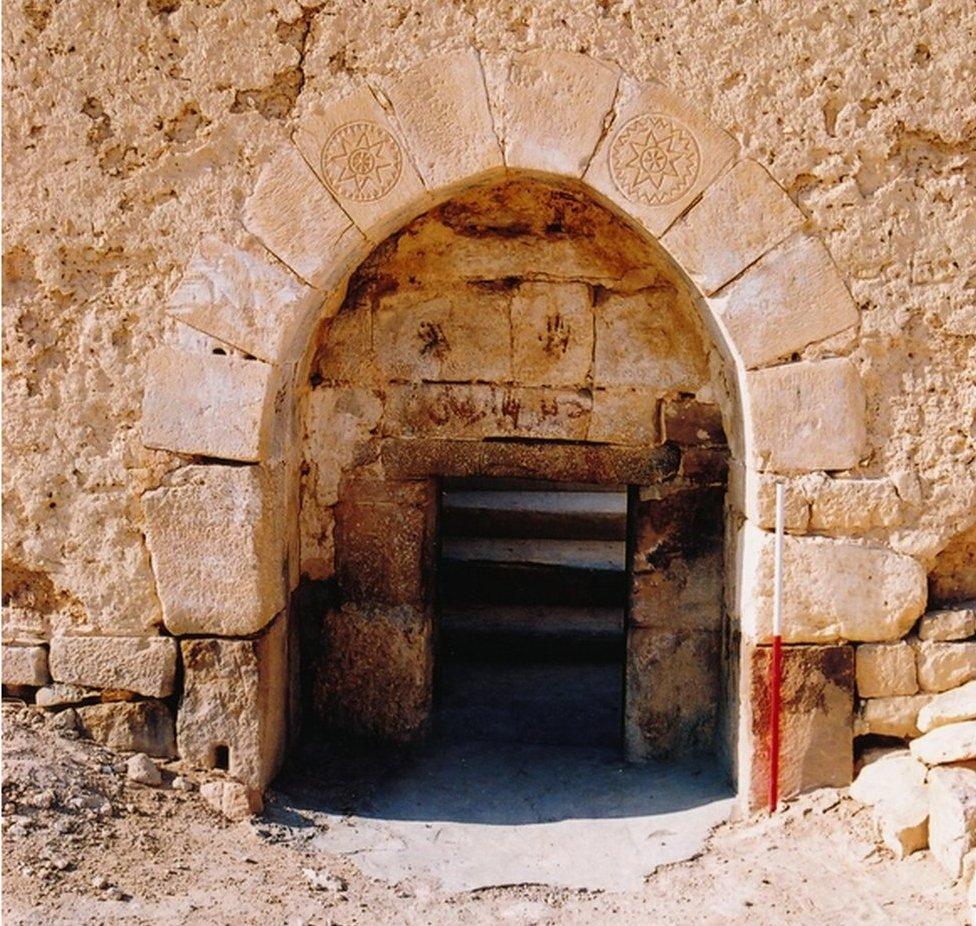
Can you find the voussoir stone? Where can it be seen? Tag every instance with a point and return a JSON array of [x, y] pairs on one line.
[[738, 219], [951, 706], [216, 542], [885, 669], [207, 404], [130, 726], [838, 590], [943, 665], [806, 416], [146, 665], [948, 624], [25, 665], [952, 815], [954, 742], [441, 107]]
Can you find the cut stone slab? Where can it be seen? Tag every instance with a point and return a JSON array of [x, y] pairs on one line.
[[852, 506], [738, 219], [885, 669], [625, 416], [952, 815], [64, 695], [207, 405], [441, 107], [234, 699], [896, 716], [690, 423], [838, 589], [816, 720], [552, 334], [297, 220], [890, 774], [768, 311], [903, 818], [25, 665], [951, 706], [146, 665], [945, 665], [243, 299], [954, 742], [696, 153], [130, 726], [948, 624], [379, 193], [805, 416], [552, 108], [215, 537]]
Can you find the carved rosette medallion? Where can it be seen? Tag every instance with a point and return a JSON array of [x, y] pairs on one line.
[[654, 159], [361, 161]]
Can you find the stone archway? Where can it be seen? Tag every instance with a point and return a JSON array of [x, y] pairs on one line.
[[222, 531]]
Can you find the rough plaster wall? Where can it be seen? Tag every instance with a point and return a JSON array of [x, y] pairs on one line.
[[133, 129]]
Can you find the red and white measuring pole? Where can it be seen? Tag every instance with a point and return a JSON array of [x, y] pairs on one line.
[[776, 666]]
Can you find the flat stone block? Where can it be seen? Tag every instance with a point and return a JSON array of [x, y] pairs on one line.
[[243, 299], [791, 297], [360, 156], [805, 416], [688, 422], [130, 726], [215, 536], [235, 696], [885, 669], [625, 416], [552, 106], [945, 665], [207, 405], [948, 624], [676, 521], [891, 773], [955, 742], [953, 706], [685, 594], [738, 219], [441, 107], [297, 220], [376, 671], [145, 665], [671, 698], [477, 411], [896, 716], [753, 494], [658, 156], [25, 665], [838, 590], [816, 743], [852, 506], [347, 355], [552, 334]]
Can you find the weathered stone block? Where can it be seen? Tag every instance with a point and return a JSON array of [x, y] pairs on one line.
[[347, 355], [671, 697], [885, 669], [837, 589], [891, 773], [208, 405], [145, 665], [300, 223], [242, 298], [480, 410], [817, 697], [625, 416], [376, 671], [688, 422], [952, 706], [685, 594], [952, 815], [753, 494], [25, 665], [948, 624], [442, 339], [441, 106], [895, 716], [955, 742], [658, 156], [945, 665], [852, 506], [903, 818], [674, 521], [552, 109], [130, 726], [359, 154], [768, 311], [705, 465], [805, 416], [385, 536], [234, 703], [738, 219], [552, 334], [642, 339], [215, 537]]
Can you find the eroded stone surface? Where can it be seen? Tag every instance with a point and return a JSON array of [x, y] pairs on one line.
[[952, 706], [888, 775], [146, 666], [130, 726], [943, 665], [952, 815], [885, 669], [955, 742], [948, 624], [25, 665], [896, 716]]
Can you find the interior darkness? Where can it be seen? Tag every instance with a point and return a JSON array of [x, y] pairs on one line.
[[532, 590]]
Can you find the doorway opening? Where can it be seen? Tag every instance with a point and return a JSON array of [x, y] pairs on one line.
[[532, 581]]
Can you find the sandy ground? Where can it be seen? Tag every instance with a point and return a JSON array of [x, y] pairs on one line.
[[82, 845]]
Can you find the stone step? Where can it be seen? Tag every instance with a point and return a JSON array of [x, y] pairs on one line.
[[602, 555], [513, 514]]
